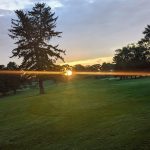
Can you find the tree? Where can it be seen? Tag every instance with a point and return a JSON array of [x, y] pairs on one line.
[[33, 31], [12, 66], [79, 67], [147, 32], [123, 58], [107, 67], [9, 82], [14, 81], [145, 42], [3, 82], [95, 67], [131, 57], [2, 67]]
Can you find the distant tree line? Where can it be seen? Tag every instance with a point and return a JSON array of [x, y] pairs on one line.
[[95, 68], [10, 82]]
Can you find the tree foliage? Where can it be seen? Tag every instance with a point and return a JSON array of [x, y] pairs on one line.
[[107, 67], [9, 82], [131, 57], [33, 31]]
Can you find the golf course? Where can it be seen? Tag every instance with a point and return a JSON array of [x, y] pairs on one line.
[[81, 114]]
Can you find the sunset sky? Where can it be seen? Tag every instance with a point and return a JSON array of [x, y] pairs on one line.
[[92, 29]]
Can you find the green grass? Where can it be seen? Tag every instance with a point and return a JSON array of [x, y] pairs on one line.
[[91, 114]]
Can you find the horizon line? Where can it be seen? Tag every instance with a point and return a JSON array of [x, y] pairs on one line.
[[98, 60]]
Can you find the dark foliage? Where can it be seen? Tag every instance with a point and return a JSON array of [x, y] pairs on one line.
[[107, 66], [132, 57], [9, 82]]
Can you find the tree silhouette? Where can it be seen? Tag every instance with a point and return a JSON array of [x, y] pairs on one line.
[[107, 67], [9, 82], [12, 66], [33, 31], [4, 88], [131, 57], [79, 67], [147, 32], [14, 81]]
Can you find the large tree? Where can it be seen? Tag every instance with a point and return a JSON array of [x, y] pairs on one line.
[[33, 31]]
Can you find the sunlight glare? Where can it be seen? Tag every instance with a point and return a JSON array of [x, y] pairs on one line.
[[68, 73]]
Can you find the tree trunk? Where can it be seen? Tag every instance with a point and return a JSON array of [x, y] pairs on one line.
[[41, 87]]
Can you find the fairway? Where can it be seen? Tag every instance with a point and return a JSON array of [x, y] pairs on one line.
[[88, 114]]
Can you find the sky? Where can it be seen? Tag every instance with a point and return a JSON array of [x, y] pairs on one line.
[[92, 29]]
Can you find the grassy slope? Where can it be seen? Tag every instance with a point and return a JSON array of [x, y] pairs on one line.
[[81, 115]]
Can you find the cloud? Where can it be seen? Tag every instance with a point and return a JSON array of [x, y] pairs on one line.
[[14, 4], [54, 4], [91, 1], [23, 4]]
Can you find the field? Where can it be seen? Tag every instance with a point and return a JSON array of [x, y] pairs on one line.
[[89, 114]]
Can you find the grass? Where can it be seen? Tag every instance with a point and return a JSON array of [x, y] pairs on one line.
[[90, 114]]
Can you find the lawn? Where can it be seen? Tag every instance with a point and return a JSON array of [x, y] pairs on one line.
[[89, 114]]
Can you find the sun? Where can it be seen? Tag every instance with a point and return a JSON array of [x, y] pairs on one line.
[[68, 73]]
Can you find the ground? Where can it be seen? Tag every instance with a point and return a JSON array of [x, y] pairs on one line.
[[89, 114]]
